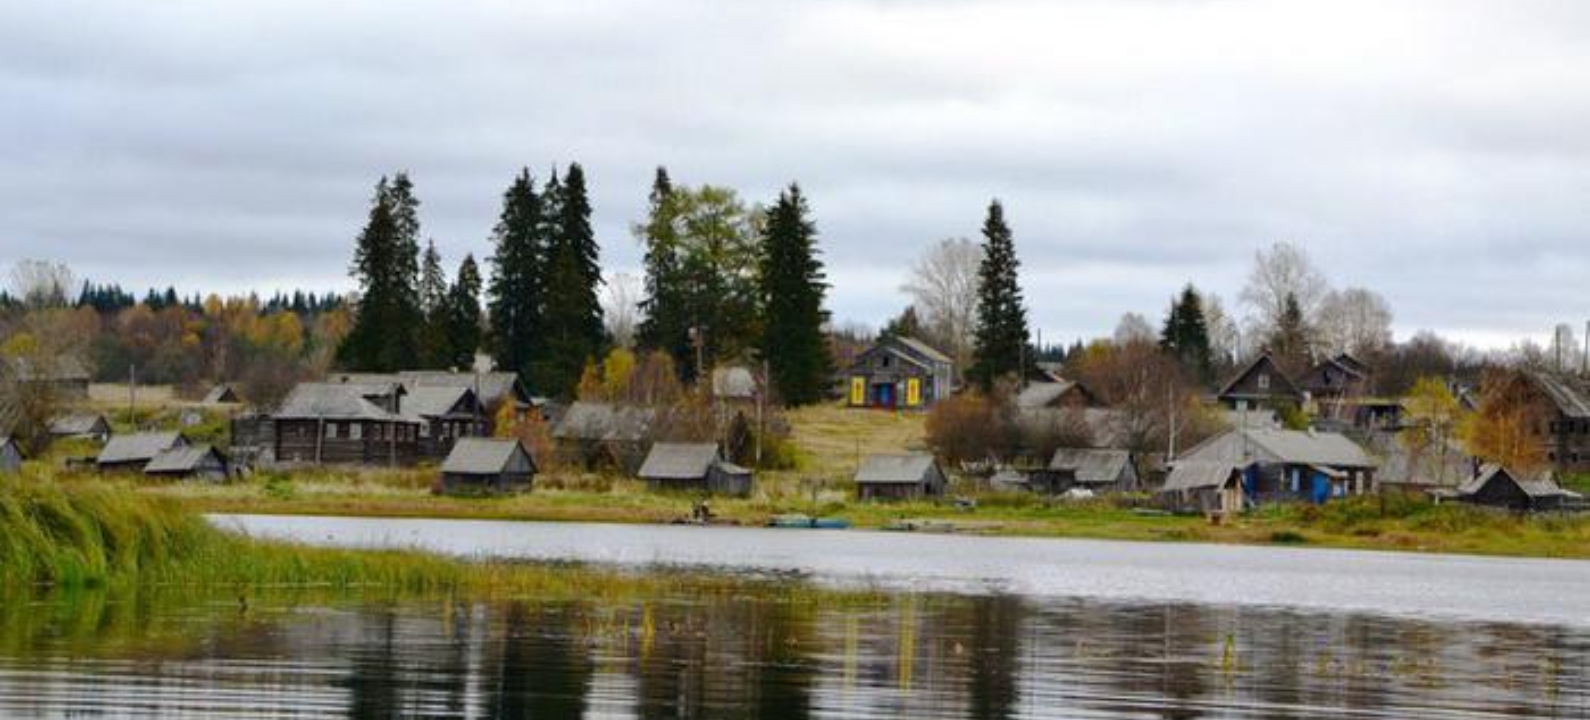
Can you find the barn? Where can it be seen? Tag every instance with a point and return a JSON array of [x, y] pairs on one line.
[[906, 476], [695, 467], [197, 462], [487, 465]]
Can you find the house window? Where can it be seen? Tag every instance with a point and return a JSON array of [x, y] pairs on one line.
[[425, 431], [1264, 381], [331, 431], [356, 431]]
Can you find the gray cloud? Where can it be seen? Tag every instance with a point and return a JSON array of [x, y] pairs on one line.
[[1435, 151]]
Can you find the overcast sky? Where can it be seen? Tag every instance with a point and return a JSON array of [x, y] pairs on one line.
[[1433, 151]]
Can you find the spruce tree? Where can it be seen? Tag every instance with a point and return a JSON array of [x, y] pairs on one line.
[[517, 287], [1001, 336], [1186, 333], [383, 335], [1290, 344], [433, 349], [666, 326], [793, 286], [574, 332], [463, 315]]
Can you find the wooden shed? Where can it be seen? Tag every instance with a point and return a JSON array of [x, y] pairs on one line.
[[1498, 487], [488, 465], [132, 452], [693, 466], [92, 426], [1097, 470], [222, 394], [899, 477], [189, 462], [592, 434], [1210, 487]]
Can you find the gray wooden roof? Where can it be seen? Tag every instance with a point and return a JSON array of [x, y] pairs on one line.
[[1196, 475], [1091, 465], [679, 461], [222, 393], [1291, 447], [483, 456], [78, 424], [891, 469], [1538, 486], [430, 401], [492, 387], [1570, 395], [63, 368], [1107, 427], [138, 447], [180, 459], [1040, 394], [335, 401], [1280, 384]]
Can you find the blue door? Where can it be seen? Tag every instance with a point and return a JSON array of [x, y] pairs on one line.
[[883, 394]]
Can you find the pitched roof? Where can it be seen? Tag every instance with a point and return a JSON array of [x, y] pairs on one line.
[[492, 386], [678, 461], [922, 348], [433, 400], [222, 393], [1091, 466], [482, 456], [1107, 427], [1570, 395], [1291, 447], [604, 421], [895, 468], [180, 459], [64, 367], [336, 401], [1290, 388], [1196, 475], [1042, 394], [138, 447], [1539, 486], [78, 424]]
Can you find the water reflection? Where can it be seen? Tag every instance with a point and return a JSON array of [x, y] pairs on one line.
[[761, 652]]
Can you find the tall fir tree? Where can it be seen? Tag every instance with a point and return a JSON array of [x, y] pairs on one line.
[[518, 275], [1291, 342], [574, 331], [462, 315], [433, 349], [382, 338], [666, 326], [793, 288], [1186, 333], [1001, 336]]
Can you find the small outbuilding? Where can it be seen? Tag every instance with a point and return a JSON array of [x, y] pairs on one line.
[[10, 455], [189, 462], [223, 394], [593, 434], [1097, 470], [1210, 487], [693, 466], [92, 426], [132, 452], [488, 465], [1498, 487], [900, 477]]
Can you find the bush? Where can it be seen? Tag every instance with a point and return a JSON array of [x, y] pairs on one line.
[[971, 426]]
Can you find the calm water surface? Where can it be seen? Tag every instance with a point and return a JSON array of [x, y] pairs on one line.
[[955, 627]]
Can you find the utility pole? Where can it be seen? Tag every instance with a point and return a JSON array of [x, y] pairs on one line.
[[132, 395]]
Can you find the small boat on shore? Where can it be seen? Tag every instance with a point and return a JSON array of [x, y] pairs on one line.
[[942, 526], [798, 521]]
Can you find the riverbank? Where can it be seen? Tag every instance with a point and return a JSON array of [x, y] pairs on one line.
[[1396, 523]]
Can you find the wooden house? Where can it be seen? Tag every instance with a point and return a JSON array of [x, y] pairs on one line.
[[493, 389], [1056, 394], [487, 465], [66, 377], [344, 423], [1209, 487], [900, 477], [592, 434], [1498, 487], [1094, 469], [1560, 420], [444, 414], [900, 372], [1260, 385], [10, 455], [697, 467], [92, 426], [189, 462], [1335, 385], [132, 452], [1289, 465]]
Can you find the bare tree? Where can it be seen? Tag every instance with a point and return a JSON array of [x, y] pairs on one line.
[[41, 283], [943, 287], [1225, 340], [1133, 328], [1285, 269], [621, 307], [1355, 321]]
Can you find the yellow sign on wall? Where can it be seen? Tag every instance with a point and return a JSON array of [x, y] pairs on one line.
[[858, 391], [913, 392]]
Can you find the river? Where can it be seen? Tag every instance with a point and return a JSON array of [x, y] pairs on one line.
[[954, 627]]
